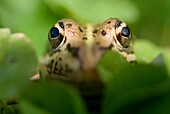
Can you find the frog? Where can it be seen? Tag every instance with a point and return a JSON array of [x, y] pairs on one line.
[[75, 50]]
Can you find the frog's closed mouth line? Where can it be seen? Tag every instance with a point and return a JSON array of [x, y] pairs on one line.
[[75, 49]]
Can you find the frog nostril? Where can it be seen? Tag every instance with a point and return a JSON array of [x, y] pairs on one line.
[[54, 32], [61, 24], [118, 23]]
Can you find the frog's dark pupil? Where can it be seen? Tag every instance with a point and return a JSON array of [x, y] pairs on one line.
[[54, 32], [125, 32]]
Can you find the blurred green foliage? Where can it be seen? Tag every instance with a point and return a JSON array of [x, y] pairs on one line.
[[137, 89], [55, 99], [15, 67], [147, 19]]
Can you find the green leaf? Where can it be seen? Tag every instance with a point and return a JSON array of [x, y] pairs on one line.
[[18, 62], [30, 108], [146, 51], [110, 64], [85, 9], [53, 98], [13, 109], [30, 17], [135, 88], [166, 54]]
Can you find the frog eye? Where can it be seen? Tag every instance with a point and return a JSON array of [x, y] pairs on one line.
[[55, 37], [54, 32], [125, 32]]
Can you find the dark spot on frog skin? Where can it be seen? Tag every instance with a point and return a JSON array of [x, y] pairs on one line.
[[50, 65], [60, 59], [56, 63], [84, 38], [133, 62], [69, 25], [95, 31], [98, 43], [58, 70], [110, 46], [84, 27], [108, 22], [55, 69], [61, 24], [73, 50], [103, 32], [132, 52], [80, 29]]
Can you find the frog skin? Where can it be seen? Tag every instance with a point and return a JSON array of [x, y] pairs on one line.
[[75, 50]]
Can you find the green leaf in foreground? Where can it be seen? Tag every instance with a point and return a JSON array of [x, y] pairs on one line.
[[13, 109], [110, 64], [146, 51], [51, 98], [17, 63], [137, 89]]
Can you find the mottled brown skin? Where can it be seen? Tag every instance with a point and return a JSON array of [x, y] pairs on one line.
[[76, 51]]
